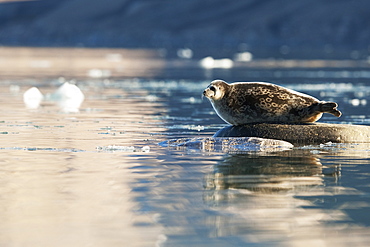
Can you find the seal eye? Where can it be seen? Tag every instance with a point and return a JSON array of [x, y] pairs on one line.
[[212, 88]]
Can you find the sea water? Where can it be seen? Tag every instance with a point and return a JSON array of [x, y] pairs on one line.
[[98, 176]]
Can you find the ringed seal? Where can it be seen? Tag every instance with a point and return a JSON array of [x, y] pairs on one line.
[[260, 102]]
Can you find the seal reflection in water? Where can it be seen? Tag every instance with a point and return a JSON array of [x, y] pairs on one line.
[[259, 102]]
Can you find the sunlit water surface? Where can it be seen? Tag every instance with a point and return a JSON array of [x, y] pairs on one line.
[[99, 178]]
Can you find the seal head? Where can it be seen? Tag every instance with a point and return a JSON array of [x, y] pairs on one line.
[[216, 90]]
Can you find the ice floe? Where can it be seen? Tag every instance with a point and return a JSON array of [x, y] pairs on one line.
[[227, 144]]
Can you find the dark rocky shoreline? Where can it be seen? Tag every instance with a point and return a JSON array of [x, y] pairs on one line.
[[306, 28]]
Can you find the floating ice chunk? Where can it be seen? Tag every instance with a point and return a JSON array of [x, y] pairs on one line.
[[207, 62], [151, 98], [99, 73], [14, 89], [114, 148], [198, 127], [243, 56], [145, 149], [113, 57], [355, 102], [228, 144], [191, 100], [32, 98], [68, 97], [186, 126], [224, 63], [211, 63], [358, 102], [185, 53]]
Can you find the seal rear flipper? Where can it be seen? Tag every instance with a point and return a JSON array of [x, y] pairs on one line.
[[330, 107]]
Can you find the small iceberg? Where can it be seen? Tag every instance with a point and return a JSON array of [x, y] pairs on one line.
[[211, 63], [227, 144], [68, 97], [32, 98]]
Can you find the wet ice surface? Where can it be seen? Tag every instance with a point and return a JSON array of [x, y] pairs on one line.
[[98, 177], [228, 145]]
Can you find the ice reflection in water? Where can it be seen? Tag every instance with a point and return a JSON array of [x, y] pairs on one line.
[[58, 189]]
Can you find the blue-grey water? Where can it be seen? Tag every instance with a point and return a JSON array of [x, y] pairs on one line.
[[98, 177]]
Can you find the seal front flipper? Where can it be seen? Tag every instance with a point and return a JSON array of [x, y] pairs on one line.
[[330, 107]]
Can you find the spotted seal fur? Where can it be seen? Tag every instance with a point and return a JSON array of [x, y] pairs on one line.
[[260, 102]]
